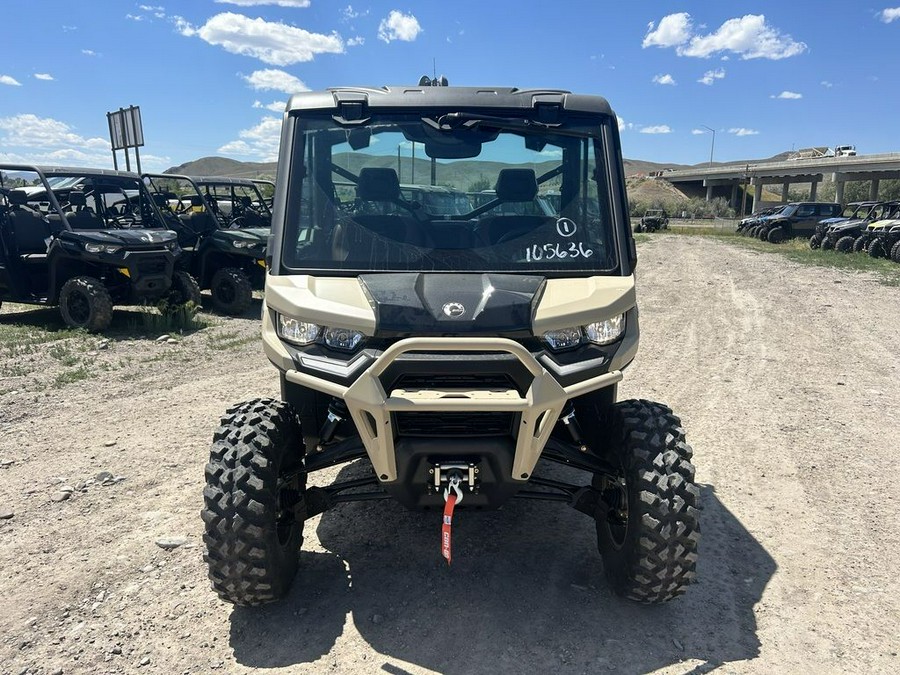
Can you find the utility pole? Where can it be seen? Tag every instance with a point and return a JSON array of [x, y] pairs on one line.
[[712, 147]]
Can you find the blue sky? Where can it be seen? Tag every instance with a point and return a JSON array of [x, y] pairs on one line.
[[211, 76]]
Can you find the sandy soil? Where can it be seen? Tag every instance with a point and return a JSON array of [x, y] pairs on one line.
[[785, 377]]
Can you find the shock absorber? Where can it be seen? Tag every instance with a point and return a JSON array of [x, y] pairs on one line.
[[337, 413], [571, 423]]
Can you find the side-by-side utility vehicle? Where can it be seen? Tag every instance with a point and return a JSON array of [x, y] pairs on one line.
[[85, 239], [224, 254], [455, 357]]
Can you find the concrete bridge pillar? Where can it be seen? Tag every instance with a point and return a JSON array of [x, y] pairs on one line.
[[813, 188], [873, 190], [709, 192], [839, 181], [785, 194], [757, 195], [733, 201]]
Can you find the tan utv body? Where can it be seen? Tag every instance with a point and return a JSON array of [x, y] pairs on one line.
[[455, 354]]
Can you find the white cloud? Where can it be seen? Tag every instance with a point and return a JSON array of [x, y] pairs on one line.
[[31, 131], [89, 52], [348, 13], [67, 29], [274, 106], [356, 41], [748, 36], [259, 142], [43, 76], [11, 81], [698, 132], [399, 26], [664, 79], [656, 129], [710, 76], [135, 17], [787, 95], [269, 41], [253, 3], [890, 14], [826, 84], [741, 131], [271, 79], [673, 30], [151, 8]]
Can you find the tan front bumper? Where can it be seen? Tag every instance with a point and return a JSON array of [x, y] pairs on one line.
[[371, 407]]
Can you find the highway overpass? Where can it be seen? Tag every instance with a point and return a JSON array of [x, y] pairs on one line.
[[725, 180]]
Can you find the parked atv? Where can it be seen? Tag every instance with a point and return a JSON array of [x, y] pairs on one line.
[[236, 202], [455, 358], [853, 211], [869, 239], [85, 239], [842, 236], [653, 221], [224, 257], [797, 219]]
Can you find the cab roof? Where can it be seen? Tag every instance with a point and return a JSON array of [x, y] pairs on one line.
[[488, 98]]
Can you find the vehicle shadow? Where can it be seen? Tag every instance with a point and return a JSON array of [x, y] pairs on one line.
[[526, 586]]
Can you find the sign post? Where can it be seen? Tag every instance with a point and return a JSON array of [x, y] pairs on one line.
[[126, 131]]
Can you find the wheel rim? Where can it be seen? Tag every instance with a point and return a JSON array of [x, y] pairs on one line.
[[79, 308], [226, 292], [288, 495], [614, 494]]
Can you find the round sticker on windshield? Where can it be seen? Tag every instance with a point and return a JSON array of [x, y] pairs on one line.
[[566, 227]]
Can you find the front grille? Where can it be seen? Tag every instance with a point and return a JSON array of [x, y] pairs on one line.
[[151, 264], [456, 424], [415, 381]]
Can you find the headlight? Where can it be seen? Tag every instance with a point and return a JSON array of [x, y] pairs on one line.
[[93, 248], [564, 338], [343, 338], [605, 332], [240, 243], [112, 249], [599, 333], [298, 332]]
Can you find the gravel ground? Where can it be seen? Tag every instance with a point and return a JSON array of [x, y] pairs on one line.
[[785, 377]]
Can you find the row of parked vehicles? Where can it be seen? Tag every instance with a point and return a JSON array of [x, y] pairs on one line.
[[89, 239], [872, 227]]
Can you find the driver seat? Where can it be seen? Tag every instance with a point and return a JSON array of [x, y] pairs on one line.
[[81, 217], [513, 185]]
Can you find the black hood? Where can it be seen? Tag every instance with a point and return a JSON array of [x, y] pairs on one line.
[[452, 304], [131, 239]]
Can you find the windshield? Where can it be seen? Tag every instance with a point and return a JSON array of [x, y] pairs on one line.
[[405, 193]]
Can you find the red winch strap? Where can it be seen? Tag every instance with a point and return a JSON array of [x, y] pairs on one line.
[[445, 527]]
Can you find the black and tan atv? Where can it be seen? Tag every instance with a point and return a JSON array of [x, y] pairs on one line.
[[221, 249], [85, 239], [455, 357]]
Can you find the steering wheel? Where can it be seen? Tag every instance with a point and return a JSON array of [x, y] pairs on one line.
[[513, 234]]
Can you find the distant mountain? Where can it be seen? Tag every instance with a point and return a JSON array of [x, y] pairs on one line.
[[461, 172], [222, 166]]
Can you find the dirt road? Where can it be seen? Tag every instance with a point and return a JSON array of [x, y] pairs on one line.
[[786, 379]]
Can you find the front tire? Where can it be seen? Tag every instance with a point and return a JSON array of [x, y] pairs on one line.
[[84, 302], [648, 517], [815, 241], [775, 235], [827, 244], [231, 291], [184, 289], [895, 252], [253, 478], [859, 244], [844, 244], [876, 249]]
